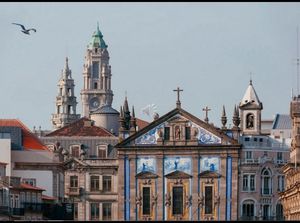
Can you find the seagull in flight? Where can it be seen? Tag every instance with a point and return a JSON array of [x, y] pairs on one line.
[[26, 31]]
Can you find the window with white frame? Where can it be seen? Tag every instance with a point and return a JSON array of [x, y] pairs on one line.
[[28, 197], [106, 211], [280, 181], [73, 181], [249, 182], [75, 150], [248, 154], [266, 182], [94, 211], [106, 183], [94, 182]]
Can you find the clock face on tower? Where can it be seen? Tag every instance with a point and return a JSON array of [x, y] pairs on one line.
[[94, 103]]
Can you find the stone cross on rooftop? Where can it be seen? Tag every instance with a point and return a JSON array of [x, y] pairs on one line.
[[206, 109], [178, 103]]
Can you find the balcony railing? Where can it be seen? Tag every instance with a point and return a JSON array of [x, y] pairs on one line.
[[263, 160], [73, 190]]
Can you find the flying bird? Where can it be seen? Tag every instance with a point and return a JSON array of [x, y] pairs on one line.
[[26, 31]]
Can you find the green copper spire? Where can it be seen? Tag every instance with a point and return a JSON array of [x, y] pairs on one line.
[[97, 40]]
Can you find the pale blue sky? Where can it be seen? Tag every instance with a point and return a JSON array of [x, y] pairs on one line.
[[207, 49]]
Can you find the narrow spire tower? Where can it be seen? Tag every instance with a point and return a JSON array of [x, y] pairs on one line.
[[65, 100]]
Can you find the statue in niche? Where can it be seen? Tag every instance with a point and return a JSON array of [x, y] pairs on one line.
[[177, 132], [250, 121]]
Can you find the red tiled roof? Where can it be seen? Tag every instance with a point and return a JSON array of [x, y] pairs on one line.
[[45, 197], [28, 186], [29, 140], [141, 123], [81, 128]]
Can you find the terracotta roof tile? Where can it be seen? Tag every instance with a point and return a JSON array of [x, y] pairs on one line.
[[29, 140], [81, 128], [141, 123], [45, 197], [28, 186]]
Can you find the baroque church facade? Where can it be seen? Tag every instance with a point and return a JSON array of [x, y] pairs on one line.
[[178, 168]]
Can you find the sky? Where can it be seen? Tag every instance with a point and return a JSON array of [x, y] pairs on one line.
[[206, 49]]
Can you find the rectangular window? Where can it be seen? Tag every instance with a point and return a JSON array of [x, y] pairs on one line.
[[279, 156], [102, 152], [245, 182], [261, 140], [167, 133], [255, 139], [208, 200], [252, 182], [106, 211], [75, 211], [177, 200], [75, 151], [94, 183], [106, 183], [265, 153], [95, 71], [248, 154], [146, 200], [94, 211], [247, 139], [73, 181], [187, 133]]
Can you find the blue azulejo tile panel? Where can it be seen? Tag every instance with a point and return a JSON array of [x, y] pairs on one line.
[[211, 163], [173, 163], [146, 164], [150, 137]]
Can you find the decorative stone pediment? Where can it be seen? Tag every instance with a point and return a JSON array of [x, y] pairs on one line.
[[180, 126], [146, 175], [209, 174], [177, 174]]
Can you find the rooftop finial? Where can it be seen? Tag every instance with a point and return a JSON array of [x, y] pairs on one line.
[[98, 26], [250, 78], [206, 109], [67, 64], [178, 103]]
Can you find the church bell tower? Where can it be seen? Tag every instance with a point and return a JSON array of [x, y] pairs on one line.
[[96, 90], [250, 108], [65, 100]]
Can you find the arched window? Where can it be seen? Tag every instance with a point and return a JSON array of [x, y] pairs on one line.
[[279, 212], [248, 211], [250, 121], [266, 182]]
